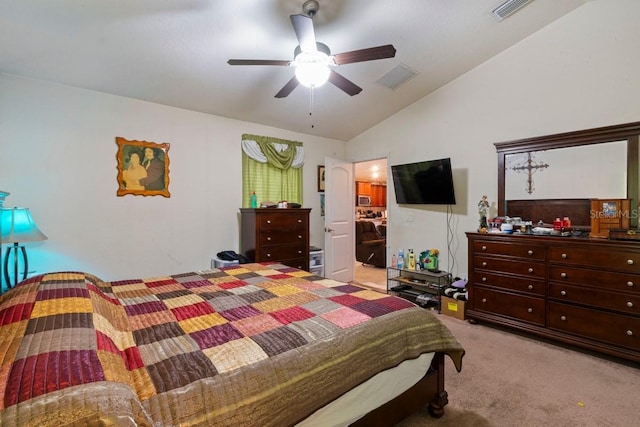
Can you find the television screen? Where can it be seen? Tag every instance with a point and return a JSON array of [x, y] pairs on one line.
[[426, 183]]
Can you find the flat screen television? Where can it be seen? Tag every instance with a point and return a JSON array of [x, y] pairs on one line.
[[424, 183]]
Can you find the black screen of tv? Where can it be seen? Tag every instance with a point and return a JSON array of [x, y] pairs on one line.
[[428, 183]]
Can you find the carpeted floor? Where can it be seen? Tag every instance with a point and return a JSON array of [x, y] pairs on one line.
[[370, 276], [512, 380]]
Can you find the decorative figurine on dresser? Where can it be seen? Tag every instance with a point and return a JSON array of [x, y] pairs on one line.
[[483, 211], [276, 234]]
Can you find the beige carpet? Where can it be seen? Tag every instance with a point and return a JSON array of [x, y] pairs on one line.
[[511, 380], [370, 276]]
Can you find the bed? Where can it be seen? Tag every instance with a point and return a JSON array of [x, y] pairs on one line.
[[251, 345]]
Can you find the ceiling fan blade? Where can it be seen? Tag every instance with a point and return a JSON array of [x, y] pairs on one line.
[[258, 62], [369, 54], [303, 26], [344, 84], [288, 88]]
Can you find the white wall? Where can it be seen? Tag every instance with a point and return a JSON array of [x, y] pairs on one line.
[[579, 72], [58, 157]]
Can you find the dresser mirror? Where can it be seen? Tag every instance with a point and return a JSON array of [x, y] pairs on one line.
[[556, 175]]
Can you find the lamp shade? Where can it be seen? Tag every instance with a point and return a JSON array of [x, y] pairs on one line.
[[312, 68], [17, 225]]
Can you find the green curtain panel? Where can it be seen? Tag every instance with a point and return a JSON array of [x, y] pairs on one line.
[[271, 167]]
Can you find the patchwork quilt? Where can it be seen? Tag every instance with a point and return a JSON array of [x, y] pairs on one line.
[[247, 345]]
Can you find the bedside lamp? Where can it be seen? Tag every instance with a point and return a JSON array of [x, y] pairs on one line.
[[17, 226]]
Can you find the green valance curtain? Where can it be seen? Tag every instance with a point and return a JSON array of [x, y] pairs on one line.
[[271, 167]]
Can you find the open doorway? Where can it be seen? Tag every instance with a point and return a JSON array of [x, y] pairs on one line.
[[371, 208]]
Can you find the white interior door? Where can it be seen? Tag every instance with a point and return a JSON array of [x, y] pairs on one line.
[[339, 229]]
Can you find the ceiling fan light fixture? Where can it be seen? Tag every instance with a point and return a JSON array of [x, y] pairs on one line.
[[312, 68]]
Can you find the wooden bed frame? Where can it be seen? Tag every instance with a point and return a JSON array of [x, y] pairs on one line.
[[428, 391]]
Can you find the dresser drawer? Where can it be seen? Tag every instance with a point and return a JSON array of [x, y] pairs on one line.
[[281, 237], [529, 251], [600, 278], [285, 220], [596, 258], [525, 308], [624, 302], [612, 328], [281, 253], [521, 284], [524, 268], [295, 263]]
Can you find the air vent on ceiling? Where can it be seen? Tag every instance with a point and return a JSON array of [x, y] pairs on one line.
[[507, 8], [397, 76]]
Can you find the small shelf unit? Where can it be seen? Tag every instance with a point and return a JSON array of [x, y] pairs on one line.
[[423, 287], [316, 262]]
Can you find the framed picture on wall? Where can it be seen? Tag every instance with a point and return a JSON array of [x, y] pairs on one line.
[[321, 178], [143, 168]]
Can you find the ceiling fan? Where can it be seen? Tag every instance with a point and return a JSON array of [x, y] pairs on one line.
[[312, 59]]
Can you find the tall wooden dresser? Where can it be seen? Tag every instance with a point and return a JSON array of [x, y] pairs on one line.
[[585, 292], [280, 235]]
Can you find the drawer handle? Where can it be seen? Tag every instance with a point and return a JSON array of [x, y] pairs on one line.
[[269, 238], [630, 284], [530, 270], [629, 304], [299, 252], [299, 236], [268, 255], [563, 293], [563, 275], [630, 332], [299, 221], [484, 248], [563, 256], [484, 263], [484, 279], [563, 318], [530, 286], [484, 300], [530, 252], [530, 310], [268, 221], [630, 261]]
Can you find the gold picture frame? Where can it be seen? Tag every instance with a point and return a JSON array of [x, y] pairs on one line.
[[321, 178], [143, 168]]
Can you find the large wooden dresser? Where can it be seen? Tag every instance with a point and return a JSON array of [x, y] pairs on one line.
[[280, 235], [585, 292]]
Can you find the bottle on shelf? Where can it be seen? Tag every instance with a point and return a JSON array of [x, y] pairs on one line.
[[400, 259], [394, 261], [254, 200], [411, 264]]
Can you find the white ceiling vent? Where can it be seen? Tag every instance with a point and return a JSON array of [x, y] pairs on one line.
[[397, 76], [507, 8]]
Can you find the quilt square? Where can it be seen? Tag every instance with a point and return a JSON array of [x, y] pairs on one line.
[[199, 323], [217, 335], [235, 354], [241, 312], [147, 320], [180, 370], [279, 340], [256, 325], [192, 310], [314, 328], [345, 317], [46, 372], [292, 314]]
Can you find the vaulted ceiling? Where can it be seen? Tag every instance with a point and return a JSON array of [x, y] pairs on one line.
[[175, 52]]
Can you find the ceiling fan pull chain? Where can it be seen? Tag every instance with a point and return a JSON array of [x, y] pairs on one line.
[[311, 106]]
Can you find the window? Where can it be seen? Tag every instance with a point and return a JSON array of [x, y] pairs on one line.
[[272, 168]]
